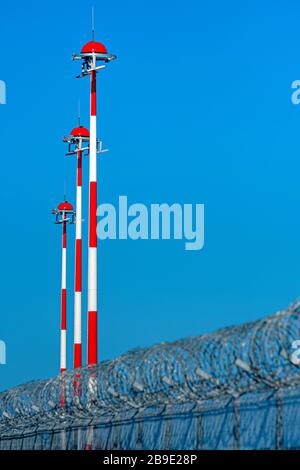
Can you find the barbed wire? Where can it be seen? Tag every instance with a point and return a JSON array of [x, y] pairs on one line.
[[224, 365]]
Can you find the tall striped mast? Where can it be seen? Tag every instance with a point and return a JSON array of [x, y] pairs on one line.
[[77, 138], [64, 213], [91, 53]]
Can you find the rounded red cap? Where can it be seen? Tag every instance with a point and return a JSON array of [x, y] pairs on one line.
[[94, 46], [80, 132], [65, 206]]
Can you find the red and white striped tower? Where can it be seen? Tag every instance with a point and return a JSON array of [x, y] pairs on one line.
[[64, 213], [91, 53], [77, 138]]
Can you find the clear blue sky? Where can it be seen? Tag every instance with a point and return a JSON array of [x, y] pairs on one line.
[[197, 108]]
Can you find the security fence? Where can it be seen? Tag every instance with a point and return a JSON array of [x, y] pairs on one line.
[[237, 388]]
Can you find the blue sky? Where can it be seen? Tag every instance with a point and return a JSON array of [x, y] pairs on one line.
[[197, 109]]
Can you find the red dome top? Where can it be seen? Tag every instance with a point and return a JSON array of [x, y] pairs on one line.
[[65, 206], [80, 132], [94, 46]]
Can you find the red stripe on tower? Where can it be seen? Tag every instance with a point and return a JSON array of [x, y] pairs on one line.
[[79, 169], [78, 265], [77, 355], [92, 338], [64, 244]]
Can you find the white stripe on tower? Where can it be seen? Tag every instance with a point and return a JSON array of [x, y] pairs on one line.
[[63, 333], [92, 252], [78, 266]]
